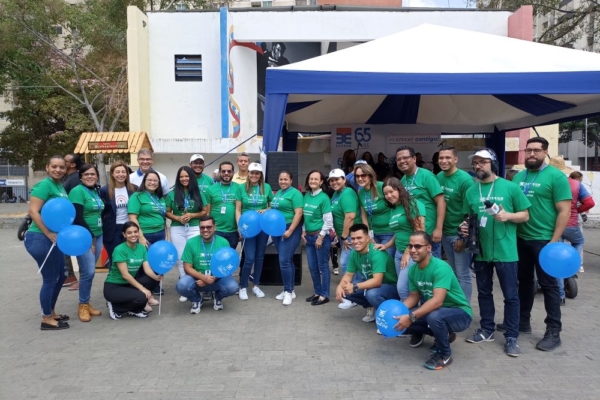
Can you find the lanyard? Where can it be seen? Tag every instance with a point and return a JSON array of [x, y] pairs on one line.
[[255, 196], [527, 186], [489, 193], [368, 203], [412, 183], [186, 202], [336, 195], [95, 197], [223, 194], [202, 183], [157, 204], [208, 255], [278, 197]]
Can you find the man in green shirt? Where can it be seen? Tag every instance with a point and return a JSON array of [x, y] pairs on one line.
[[424, 186], [445, 309], [204, 181], [549, 192], [454, 183], [500, 206], [196, 263], [221, 204], [376, 274]]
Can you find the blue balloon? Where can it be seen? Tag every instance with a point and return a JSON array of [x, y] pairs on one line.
[[58, 213], [560, 260], [162, 257], [249, 224], [224, 262], [385, 314], [74, 240], [272, 222]]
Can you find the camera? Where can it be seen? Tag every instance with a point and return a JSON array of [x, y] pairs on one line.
[[472, 239]]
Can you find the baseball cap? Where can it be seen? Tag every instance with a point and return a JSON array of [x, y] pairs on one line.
[[336, 173], [358, 162], [255, 167], [483, 154], [196, 157]]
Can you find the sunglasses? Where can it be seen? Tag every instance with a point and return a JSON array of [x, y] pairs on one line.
[[227, 171], [206, 228], [360, 176], [416, 246]]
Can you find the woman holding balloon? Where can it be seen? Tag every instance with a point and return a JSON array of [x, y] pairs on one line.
[[126, 290], [289, 202], [88, 214], [40, 243], [255, 195]]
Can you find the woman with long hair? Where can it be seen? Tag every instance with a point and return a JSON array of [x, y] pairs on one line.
[[88, 214], [40, 243], [185, 206], [368, 157], [289, 201], [373, 210], [115, 196], [348, 160], [148, 210], [255, 195], [407, 216], [318, 220], [381, 168]]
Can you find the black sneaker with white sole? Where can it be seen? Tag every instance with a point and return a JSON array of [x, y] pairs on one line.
[[111, 312], [142, 314], [438, 361], [416, 339]]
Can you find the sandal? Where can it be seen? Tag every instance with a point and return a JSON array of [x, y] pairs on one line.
[[49, 327], [62, 318]]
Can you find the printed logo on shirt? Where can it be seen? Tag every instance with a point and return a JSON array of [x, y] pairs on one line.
[[121, 201]]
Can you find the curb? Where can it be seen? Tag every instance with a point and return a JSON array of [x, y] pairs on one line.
[[10, 223]]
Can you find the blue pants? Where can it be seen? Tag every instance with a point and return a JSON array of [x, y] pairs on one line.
[[436, 249], [375, 296], [87, 270], [460, 263], [440, 323], [223, 287], [232, 237], [344, 256], [286, 249], [254, 255], [154, 237], [383, 238], [318, 264], [402, 285]]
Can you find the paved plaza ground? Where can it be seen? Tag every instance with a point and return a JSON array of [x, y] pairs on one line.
[[261, 349]]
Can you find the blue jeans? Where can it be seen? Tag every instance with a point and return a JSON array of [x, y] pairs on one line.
[[254, 255], [232, 237], [154, 237], [573, 235], [460, 263], [507, 277], [54, 272], [383, 238], [440, 323], [318, 264], [286, 249], [402, 286], [436, 249], [375, 296], [223, 287], [344, 256], [87, 270]]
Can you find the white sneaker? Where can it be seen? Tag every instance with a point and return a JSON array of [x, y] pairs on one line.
[[378, 331], [346, 304], [243, 294], [370, 317], [581, 269], [182, 299], [287, 299], [218, 304], [196, 307], [281, 295], [336, 271], [257, 292]]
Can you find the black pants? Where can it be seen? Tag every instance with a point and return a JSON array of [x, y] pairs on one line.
[[110, 245], [333, 252], [529, 252], [126, 298]]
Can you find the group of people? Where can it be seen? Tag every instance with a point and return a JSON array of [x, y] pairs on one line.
[[390, 236]]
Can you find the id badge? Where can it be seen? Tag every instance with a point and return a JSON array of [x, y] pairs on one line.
[[223, 210], [371, 234], [483, 222], [100, 222]]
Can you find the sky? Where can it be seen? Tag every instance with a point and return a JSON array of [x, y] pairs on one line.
[[434, 3]]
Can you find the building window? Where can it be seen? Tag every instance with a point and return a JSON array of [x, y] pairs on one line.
[[267, 4], [58, 29], [188, 68]]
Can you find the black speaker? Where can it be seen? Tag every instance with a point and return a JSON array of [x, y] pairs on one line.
[[279, 161], [271, 274]]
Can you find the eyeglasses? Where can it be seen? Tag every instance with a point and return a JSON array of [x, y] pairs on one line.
[[416, 246], [206, 228], [536, 151], [404, 158], [144, 159], [197, 162], [227, 171], [360, 176], [480, 163]]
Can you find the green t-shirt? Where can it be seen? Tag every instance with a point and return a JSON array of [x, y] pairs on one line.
[[344, 202], [438, 275], [378, 214], [498, 239], [543, 189], [287, 201], [198, 253], [134, 258], [373, 262], [424, 186], [192, 207], [222, 205], [314, 208], [204, 182], [92, 207], [45, 190], [255, 200], [399, 225], [454, 187], [150, 211]]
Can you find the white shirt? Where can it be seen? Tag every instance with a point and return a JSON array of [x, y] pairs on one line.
[[137, 177], [121, 199]]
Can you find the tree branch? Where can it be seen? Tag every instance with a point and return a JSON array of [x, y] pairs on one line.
[[66, 90], [118, 115]]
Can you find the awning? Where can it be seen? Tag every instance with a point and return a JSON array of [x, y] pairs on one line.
[[112, 142]]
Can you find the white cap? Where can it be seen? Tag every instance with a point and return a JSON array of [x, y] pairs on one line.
[[255, 167], [483, 154], [336, 173], [358, 162], [196, 157]]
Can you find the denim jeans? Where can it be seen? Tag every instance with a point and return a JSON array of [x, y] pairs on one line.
[[179, 237], [460, 263], [223, 287], [286, 249], [87, 270], [402, 285], [318, 264], [529, 252], [436, 249], [232, 237], [344, 256], [507, 277], [440, 323], [573, 235], [154, 237], [383, 238], [375, 296], [53, 273], [254, 255]]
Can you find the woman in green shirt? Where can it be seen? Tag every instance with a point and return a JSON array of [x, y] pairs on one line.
[[289, 201], [127, 290], [256, 195], [88, 214], [148, 210]]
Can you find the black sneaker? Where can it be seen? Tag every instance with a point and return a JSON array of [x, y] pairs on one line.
[[158, 291], [438, 361], [523, 328], [111, 312], [416, 339], [481, 336], [563, 301], [142, 314], [451, 338], [511, 347], [550, 341]]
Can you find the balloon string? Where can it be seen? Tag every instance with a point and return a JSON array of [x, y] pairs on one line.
[[160, 297], [47, 255]]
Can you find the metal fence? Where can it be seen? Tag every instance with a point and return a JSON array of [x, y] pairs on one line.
[[14, 194]]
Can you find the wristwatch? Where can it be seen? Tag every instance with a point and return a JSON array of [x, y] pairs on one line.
[[344, 238], [355, 287], [412, 317]]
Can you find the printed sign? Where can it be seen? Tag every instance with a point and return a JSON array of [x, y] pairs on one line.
[[111, 145]]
